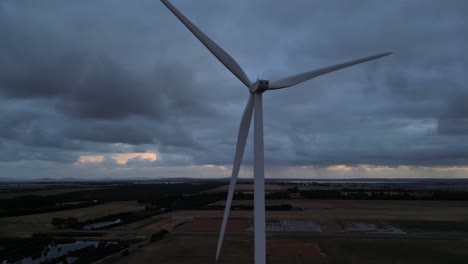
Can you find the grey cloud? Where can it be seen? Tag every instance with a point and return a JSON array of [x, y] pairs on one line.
[[84, 80], [454, 120]]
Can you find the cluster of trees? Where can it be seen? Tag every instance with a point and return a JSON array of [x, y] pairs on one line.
[[91, 253], [15, 249], [159, 235]]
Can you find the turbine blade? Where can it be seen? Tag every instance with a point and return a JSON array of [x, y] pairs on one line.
[[302, 77], [216, 50], [241, 140]]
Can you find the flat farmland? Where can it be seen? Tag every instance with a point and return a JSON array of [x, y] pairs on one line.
[[214, 225], [28, 224], [200, 248], [334, 216], [167, 223], [340, 186], [249, 188], [393, 250], [279, 247], [193, 249], [367, 209]]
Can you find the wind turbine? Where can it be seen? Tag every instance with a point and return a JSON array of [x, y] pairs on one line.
[[254, 103]]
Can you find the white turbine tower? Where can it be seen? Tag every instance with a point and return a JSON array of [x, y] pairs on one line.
[[254, 104]]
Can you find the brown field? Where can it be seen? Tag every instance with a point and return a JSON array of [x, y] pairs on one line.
[[193, 249], [156, 223], [200, 248], [208, 214], [27, 224], [138, 225], [167, 223], [289, 248], [9, 195], [214, 225]]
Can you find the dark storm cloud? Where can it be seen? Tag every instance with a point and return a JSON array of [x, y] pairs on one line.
[[106, 91], [135, 131], [85, 90], [81, 78], [388, 112], [454, 121], [99, 88]]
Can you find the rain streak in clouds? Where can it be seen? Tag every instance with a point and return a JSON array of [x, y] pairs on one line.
[[122, 89]]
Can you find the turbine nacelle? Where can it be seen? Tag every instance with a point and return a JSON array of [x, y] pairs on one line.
[[259, 86]]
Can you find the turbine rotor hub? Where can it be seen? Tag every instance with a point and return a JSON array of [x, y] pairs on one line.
[[259, 86]]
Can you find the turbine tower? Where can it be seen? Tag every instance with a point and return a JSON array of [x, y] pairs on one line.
[[254, 105]]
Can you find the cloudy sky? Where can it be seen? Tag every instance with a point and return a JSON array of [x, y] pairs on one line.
[[114, 88]]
